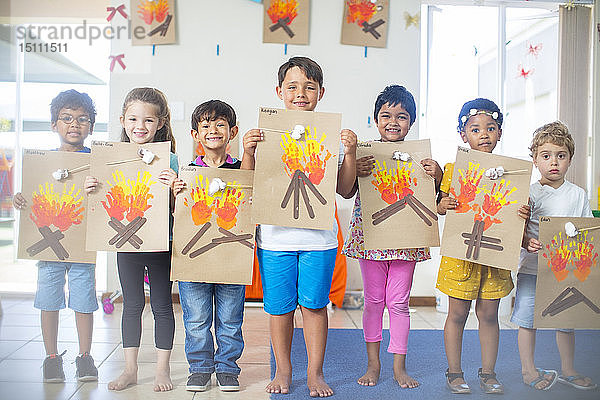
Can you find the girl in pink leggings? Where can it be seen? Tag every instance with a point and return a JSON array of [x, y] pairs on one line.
[[387, 274]]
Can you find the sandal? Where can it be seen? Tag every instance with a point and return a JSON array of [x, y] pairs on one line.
[[569, 380], [461, 388], [489, 388], [542, 378]]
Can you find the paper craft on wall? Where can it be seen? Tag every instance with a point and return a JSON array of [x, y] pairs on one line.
[[398, 194], [568, 277], [152, 22], [213, 237], [485, 227], [129, 210], [286, 21], [365, 22], [296, 168], [52, 226]]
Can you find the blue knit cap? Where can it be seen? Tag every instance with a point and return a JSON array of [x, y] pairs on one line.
[[479, 106]]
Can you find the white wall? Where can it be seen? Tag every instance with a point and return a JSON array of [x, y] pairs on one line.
[[245, 75]]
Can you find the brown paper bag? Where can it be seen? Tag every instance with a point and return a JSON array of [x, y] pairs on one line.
[[213, 236], [568, 279], [365, 23], [295, 180], [152, 22], [53, 225], [286, 21], [398, 196], [485, 228], [129, 211]]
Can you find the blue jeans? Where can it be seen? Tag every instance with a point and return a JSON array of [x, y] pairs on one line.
[[197, 301]]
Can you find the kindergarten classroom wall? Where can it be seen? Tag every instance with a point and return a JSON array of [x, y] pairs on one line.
[[244, 74]]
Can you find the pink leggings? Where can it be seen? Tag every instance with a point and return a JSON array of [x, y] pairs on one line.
[[387, 283]]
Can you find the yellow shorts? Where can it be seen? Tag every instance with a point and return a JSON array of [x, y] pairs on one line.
[[469, 281]]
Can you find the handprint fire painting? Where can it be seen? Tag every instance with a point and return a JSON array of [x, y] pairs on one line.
[[398, 194], [286, 21], [568, 274], [212, 226], [296, 168], [155, 20], [485, 226], [52, 226], [364, 22], [129, 209]]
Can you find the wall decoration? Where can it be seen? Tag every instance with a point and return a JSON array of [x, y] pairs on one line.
[[129, 211], [485, 227], [53, 226], [398, 194], [568, 276], [365, 22], [213, 238], [286, 21], [413, 20], [295, 179], [152, 22]]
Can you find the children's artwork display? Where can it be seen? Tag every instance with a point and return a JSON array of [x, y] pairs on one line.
[[365, 22], [568, 278], [129, 210], [53, 225], [213, 235], [485, 227], [152, 22], [398, 196], [296, 168], [286, 21]]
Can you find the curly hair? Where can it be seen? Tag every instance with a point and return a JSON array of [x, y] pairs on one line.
[[556, 133], [73, 100]]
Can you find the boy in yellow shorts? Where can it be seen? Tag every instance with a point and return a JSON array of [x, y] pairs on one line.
[[479, 125]]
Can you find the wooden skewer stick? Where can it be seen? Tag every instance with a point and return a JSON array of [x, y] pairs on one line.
[[86, 166], [123, 161], [589, 229]]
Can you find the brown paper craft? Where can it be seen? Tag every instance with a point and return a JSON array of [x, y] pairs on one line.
[[213, 236], [568, 277], [53, 225], [286, 21], [152, 22], [295, 179], [398, 195], [485, 227], [129, 211], [365, 23]]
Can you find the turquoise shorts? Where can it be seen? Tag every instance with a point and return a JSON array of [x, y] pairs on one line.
[[290, 278], [50, 294]]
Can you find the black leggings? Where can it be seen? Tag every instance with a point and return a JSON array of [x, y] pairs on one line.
[[131, 274]]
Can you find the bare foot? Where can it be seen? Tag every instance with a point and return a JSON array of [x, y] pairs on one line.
[[370, 377], [318, 387], [404, 380], [280, 384], [127, 378], [162, 381]]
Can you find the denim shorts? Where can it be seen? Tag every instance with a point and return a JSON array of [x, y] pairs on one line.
[[525, 302], [50, 295], [290, 278]]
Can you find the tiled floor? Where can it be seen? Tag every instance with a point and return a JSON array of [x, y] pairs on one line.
[[22, 352]]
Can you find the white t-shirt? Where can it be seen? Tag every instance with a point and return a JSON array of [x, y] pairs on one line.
[[283, 238], [568, 200]]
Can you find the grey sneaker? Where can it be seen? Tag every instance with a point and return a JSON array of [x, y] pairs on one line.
[[53, 368], [86, 370], [198, 382], [228, 382]]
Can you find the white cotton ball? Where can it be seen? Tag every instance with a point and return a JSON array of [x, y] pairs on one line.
[[298, 131], [215, 185], [570, 229], [147, 155], [500, 170], [60, 174], [492, 173], [401, 156]]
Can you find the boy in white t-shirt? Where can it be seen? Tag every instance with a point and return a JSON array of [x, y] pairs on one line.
[[552, 150]]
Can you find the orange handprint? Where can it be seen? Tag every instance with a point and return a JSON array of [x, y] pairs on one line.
[[584, 259], [161, 10], [138, 202], [469, 183], [493, 201], [117, 202], [558, 256]]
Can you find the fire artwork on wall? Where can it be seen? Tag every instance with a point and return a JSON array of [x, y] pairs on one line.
[[286, 21]]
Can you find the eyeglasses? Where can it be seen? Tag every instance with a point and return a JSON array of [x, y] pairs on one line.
[[81, 120]]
